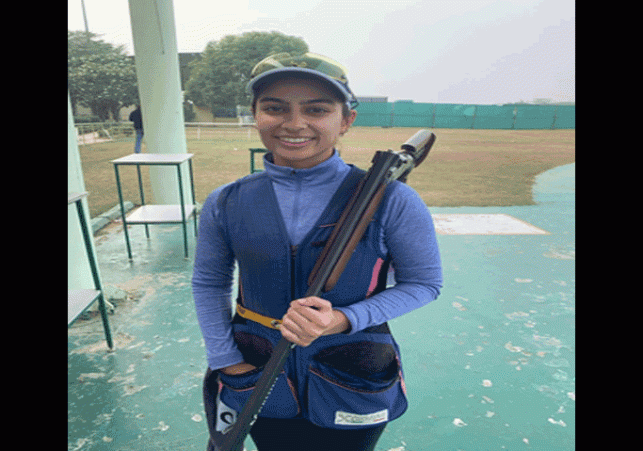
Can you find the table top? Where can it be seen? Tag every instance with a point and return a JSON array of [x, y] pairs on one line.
[[154, 158], [78, 301], [73, 197], [159, 214]]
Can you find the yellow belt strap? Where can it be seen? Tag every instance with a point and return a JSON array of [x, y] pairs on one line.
[[257, 318]]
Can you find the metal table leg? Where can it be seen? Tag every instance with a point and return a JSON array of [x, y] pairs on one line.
[[184, 221], [94, 268], [140, 189], [120, 199], [193, 196]]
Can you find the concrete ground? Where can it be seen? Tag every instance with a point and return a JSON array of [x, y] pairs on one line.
[[489, 365]]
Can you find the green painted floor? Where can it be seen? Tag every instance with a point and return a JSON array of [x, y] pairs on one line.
[[490, 365]]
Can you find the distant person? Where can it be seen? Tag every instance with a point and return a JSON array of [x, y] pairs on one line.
[[135, 116]]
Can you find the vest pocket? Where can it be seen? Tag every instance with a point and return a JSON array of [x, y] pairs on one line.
[[340, 400], [281, 403], [365, 359]]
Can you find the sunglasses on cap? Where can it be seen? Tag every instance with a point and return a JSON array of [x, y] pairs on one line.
[[310, 63]]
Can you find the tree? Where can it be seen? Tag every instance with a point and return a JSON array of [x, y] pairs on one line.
[[219, 78], [100, 75]]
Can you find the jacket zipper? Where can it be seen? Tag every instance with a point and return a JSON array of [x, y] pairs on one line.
[[293, 254]]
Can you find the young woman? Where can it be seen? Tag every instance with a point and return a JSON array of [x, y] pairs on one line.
[[344, 381]]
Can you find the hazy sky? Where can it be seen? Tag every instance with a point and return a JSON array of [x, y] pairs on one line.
[[447, 51]]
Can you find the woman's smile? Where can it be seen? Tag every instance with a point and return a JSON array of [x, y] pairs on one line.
[[295, 142]]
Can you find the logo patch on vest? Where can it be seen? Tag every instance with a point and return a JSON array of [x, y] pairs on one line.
[[353, 419], [226, 416]]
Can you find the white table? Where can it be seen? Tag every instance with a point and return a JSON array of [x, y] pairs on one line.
[[157, 214]]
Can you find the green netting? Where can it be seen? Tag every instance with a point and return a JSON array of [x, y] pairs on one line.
[[374, 115], [534, 117], [565, 116], [408, 114], [494, 117], [448, 115]]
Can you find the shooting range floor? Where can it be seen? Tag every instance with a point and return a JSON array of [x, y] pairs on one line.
[[489, 365]]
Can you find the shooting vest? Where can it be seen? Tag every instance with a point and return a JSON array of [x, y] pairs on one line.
[[342, 381], [271, 272]]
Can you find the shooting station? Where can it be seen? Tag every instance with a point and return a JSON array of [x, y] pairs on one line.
[[490, 364]]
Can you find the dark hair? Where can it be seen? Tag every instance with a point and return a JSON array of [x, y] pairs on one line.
[[333, 90]]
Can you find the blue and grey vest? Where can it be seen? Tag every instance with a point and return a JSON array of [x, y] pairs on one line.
[[272, 272], [340, 381]]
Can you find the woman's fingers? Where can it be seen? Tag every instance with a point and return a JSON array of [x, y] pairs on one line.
[[306, 320]]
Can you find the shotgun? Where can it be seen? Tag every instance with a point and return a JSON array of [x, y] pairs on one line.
[[386, 167]]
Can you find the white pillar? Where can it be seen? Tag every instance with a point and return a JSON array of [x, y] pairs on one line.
[[79, 275], [159, 87]]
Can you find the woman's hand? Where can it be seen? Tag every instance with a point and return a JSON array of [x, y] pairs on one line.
[[309, 318]]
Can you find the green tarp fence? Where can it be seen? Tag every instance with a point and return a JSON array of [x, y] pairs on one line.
[[447, 115]]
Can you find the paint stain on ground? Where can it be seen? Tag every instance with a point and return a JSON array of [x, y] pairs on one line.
[[120, 339]]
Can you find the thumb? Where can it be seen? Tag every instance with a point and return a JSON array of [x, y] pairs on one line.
[[315, 302]]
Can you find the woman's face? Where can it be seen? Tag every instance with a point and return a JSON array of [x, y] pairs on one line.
[[300, 121]]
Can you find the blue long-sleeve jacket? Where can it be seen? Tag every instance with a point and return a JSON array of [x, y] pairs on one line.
[[407, 234]]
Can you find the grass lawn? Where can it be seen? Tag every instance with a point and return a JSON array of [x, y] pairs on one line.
[[464, 168]]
